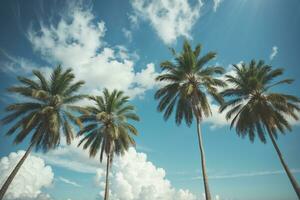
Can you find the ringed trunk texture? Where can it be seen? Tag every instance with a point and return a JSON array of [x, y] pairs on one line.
[[286, 168], [107, 181], [14, 172], [201, 148]]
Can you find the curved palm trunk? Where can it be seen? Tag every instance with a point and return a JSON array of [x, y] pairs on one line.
[[14, 172], [286, 168], [106, 194], [201, 148]]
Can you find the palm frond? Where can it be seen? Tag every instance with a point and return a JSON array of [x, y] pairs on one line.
[[263, 110]]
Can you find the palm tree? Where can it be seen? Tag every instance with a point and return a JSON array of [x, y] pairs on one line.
[[106, 128], [255, 109], [187, 81], [43, 113]]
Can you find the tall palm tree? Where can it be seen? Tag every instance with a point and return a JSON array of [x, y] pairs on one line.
[[255, 109], [187, 81], [43, 112], [106, 128]]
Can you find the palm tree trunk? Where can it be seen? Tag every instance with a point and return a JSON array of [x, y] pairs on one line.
[[286, 168], [107, 177], [14, 172], [201, 148]]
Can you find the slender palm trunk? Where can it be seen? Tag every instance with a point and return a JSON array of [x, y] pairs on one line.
[[286, 168], [107, 181], [201, 148], [14, 172]]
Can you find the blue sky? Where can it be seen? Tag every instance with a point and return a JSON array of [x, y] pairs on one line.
[[119, 44]]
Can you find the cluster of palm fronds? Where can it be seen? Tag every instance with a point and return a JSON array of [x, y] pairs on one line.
[[252, 107], [50, 108], [53, 106]]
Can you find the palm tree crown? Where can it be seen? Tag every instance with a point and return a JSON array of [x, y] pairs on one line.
[[107, 128], [106, 124], [187, 81], [253, 106], [47, 110]]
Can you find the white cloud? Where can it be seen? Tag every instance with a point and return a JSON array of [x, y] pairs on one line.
[[71, 157], [274, 52], [18, 65], [134, 20], [67, 181], [127, 33], [77, 41], [169, 18], [217, 4], [31, 178], [144, 80], [217, 119], [126, 182], [73, 41]]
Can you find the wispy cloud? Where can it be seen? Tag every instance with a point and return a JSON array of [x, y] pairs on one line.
[[248, 174], [71, 157], [67, 181], [15, 64], [217, 4], [274, 52], [127, 33]]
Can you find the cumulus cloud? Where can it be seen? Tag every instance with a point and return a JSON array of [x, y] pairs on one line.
[[126, 182], [31, 178], [76, 41], [274, 52], [169, 18], [217, 4]]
